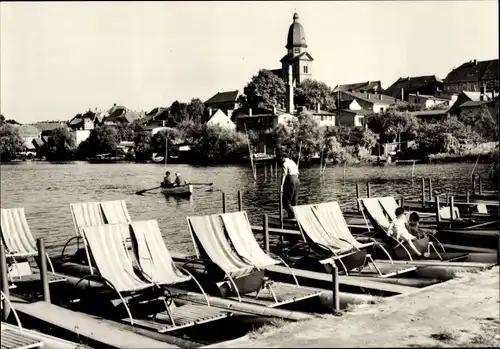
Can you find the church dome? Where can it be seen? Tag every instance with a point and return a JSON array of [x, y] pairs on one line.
[[296, 34]]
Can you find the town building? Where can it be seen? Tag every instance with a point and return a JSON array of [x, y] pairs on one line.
[[473, 76], [225, 101], [371, 102], [220, 119], [367, 86], [429, 101], [403, 87]]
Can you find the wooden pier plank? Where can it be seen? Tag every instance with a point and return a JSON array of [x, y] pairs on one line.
[[443, 264], [346, 280], [85, 325]]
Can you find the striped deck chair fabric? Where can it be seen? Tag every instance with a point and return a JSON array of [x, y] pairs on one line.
[[115, 211], [112, 261], [240, 232], [16, 234], [87, 214], [390, 205], [314, 229], [153, 256], [376, 212], [210, 234]]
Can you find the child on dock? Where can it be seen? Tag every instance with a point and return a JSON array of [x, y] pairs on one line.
[[398, 230], [414, 227]]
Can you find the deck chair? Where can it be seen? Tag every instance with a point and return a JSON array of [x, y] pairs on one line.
[[381, 218], [20, 244], [115, 268], [228, 241], [324, 226]]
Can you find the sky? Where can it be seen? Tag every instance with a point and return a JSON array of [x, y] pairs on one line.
[[59, 59]]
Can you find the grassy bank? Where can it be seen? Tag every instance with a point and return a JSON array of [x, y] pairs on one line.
[[463, 312]]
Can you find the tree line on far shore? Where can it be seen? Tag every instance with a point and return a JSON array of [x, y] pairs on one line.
[[211, 144]]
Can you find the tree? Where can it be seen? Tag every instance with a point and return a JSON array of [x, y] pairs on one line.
[[177, 113], [310, 92], [11, 142], [60, 145], [102, 140], [482, 121], [265, 90], [196, 110], [393, 124], [142, 144]]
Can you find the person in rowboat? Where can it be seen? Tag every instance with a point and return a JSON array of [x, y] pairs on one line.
[[168, 181], [398, 230], [414, 227], [179, 181], [290, 185]]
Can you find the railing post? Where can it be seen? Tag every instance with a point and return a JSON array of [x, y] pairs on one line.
[[240, 202], [368, 191], [5, 282], [265, 225], [452, 208], [423, 191], [438, 217], [335, 289], [474, 184], [357, 197], [430, 189], [44, 277], [223, 202]]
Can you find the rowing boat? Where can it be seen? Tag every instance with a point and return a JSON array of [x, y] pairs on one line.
[[183, 190]]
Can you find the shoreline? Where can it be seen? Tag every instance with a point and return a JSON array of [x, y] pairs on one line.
[[460, 312]]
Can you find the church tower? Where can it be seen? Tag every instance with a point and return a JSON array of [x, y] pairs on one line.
[[297, 56]]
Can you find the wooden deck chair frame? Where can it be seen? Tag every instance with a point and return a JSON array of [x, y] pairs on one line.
[[368, 257], [34, 254], [266, 283], [163, 298]]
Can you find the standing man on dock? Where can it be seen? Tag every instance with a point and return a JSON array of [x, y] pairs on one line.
[[290, 185]]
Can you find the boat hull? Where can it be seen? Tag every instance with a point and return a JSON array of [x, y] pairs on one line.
[[183, 190]]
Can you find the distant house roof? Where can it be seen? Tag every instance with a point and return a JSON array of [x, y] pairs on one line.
[[474, 70], [360, 112], [442, 98], [359, 86], [475, 103], [223, 97], [411, 84], [277, 72], [373, 98], [27, 130], [476, 96]]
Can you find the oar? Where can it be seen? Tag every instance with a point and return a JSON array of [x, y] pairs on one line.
[[145, 190], [201, 183]]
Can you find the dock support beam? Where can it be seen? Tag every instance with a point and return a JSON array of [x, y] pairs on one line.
[[368, 191], [265, 225], [335, 289], [357, 197], [44, 277], [240, 202], [5, 282], [223, 202], [423, 191]]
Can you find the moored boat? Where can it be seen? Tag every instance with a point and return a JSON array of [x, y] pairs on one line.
[[183, 190]]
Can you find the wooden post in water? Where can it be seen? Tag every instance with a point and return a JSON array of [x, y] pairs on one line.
[[240, 202], [498, 249], [357, 197], [44, 277], [438, 217], [368, 191], [265, 225], [5, 282], [335, 289], [452, 209], [467, 198], [223, 202], [480, 184], [423, 191], [403, 202], [473, 184], [430, 189]]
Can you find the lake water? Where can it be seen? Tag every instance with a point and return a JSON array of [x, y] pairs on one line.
[[45, 190]]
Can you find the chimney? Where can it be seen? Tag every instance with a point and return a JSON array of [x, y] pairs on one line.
[[250, 111], [381, 97], [289, 104], [209, 111], [402, 94], [318, 107]]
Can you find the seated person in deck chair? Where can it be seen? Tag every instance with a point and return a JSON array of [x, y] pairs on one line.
[[168, 181], [414, 227], [397, 229]]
